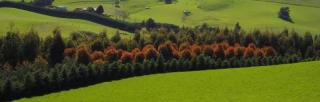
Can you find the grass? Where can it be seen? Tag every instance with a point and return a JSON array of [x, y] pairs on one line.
[[24, 21], [279, 83], [314, 3], [251, 14]]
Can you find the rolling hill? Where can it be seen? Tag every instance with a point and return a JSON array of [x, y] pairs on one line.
[[279, 83], [224, 13], [25, 20]]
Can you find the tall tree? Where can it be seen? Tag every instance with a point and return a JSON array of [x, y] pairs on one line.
[[116, 38], [11, 48], [30, 47], [237, 28], [57, 48], [100, 9], [150, 24]]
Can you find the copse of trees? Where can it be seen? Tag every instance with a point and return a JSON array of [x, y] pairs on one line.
[[31, 65]]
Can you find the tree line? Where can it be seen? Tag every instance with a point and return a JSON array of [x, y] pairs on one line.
[[31, 65]]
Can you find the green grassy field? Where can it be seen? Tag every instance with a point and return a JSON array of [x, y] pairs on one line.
[[24, 21], [280, 83], [314, 3], [251, 14], [224, 13]]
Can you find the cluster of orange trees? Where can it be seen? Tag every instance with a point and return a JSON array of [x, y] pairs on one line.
[[169, 51]]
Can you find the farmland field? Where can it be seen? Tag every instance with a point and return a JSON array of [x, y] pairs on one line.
[[279, 83], [24, 21], [251, 14]]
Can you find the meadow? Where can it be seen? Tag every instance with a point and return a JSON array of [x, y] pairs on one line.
[[279, 83], [251, 14], [23, 21]]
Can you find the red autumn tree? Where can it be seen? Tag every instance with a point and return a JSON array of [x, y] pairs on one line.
[[230, 52], [208, 51], [269, 51], [126, 57], [97, 55], [147, 47], [219, 52], [83, 56], [175, 53], [258, 53], [184, 46], [186, 54], [239, 51], [249, 52], [98, 61], [69, 52], [196, 49], [150, 52], [225, 45], [139, 57], [111, 54], [135, 51], [253, 46]]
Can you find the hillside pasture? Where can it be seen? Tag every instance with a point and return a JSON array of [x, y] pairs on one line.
[[23, 21], [251, 14], [278, 83]]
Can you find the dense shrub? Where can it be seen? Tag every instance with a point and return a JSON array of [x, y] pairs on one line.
[[284, 14]]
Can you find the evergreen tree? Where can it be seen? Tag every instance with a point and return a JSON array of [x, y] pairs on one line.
[[160, 64], [150, 24], [100, 9], [31, 44], [11, 48], [56, 49], [137, 36], [116, 38], [237, 28], [8, 88], [98, 45]]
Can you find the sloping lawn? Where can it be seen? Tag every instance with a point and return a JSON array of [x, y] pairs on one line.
[[280, 83], [25, 20]]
